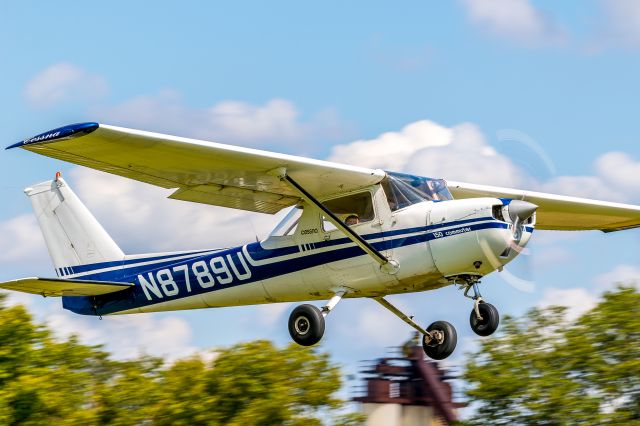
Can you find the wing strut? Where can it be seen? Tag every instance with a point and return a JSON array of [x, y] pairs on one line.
[[389, 266], [409, 320]]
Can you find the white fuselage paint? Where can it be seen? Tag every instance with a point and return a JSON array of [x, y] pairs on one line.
[[431, 241]]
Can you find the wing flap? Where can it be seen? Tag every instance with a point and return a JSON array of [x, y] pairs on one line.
[[60, 287], [204, 172], [560, 212], [235, 198]]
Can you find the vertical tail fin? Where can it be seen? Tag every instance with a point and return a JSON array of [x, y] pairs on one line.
[[73, 236]]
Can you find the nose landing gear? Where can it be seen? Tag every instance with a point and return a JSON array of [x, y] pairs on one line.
[[484, 317]]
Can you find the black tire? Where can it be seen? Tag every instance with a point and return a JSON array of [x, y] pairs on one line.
[[306, 325], [448, 345], [490, 319]]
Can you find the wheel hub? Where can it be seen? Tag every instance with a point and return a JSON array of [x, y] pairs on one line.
[[301, 324], [434, 338]]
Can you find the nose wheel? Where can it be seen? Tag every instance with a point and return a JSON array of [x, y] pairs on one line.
[[484, 318]]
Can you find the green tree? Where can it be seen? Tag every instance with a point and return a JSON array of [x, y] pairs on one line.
[[543, 369], [62, 382], [42, 379], [252, 383]]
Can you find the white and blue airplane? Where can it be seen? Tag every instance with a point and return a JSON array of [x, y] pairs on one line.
[[350, 232]]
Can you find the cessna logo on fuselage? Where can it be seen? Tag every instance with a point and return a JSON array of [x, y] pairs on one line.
[[171, 282], [43, 137]]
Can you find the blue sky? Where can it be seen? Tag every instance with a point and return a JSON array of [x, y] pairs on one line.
[[550, 88]]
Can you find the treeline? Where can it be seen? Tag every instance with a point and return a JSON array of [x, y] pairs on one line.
[[44, 380], [540, 369], [543, 369]]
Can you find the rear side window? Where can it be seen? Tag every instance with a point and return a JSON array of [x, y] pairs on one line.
[[359, 205]]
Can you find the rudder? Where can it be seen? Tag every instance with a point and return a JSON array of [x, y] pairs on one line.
[[72, 234]]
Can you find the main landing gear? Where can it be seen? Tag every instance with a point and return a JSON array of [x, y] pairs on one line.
[[438, 340], [306, 322], [306, 326]]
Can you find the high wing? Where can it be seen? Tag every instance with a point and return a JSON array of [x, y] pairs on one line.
[[203, 172], [61, 287], [560, 212]]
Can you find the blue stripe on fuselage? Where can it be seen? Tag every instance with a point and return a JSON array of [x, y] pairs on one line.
[[128, 267], [166, 280]]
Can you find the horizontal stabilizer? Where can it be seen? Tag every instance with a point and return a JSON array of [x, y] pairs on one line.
[[61, 287]]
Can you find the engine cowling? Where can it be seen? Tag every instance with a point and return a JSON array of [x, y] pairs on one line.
[[478, 235]]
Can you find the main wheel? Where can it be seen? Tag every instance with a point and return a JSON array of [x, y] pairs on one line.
[[444, 341], [489, 322], [306, 325]]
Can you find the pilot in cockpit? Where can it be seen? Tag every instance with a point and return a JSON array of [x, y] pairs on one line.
[[352, 219], [433, 190]]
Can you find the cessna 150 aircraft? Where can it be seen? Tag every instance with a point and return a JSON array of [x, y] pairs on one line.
[[350, 232]]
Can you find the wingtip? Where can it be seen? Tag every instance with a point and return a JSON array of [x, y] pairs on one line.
[[15, 145], [65, 132]]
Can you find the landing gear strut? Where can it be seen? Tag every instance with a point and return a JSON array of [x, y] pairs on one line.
[[438, 340], [484, 317], [306, 322]]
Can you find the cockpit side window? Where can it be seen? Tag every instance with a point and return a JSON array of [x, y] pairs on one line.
[[351, 209]]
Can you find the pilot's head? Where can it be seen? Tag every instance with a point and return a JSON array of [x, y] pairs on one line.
[[351, 220]]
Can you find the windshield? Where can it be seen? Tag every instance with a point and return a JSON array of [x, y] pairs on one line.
[[403, 190]]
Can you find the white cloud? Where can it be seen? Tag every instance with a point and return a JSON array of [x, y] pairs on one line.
[[582, 186], [392, 150], [17, 298], [278, 121], [577, 300], [64, 82], [621, 274], [21, 240], [127, 336], [516, 20], [429, 149], [272, 313], [619, 171], [374, 326], [550, 256], [621, 24], [462, 153], [616, 178]]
